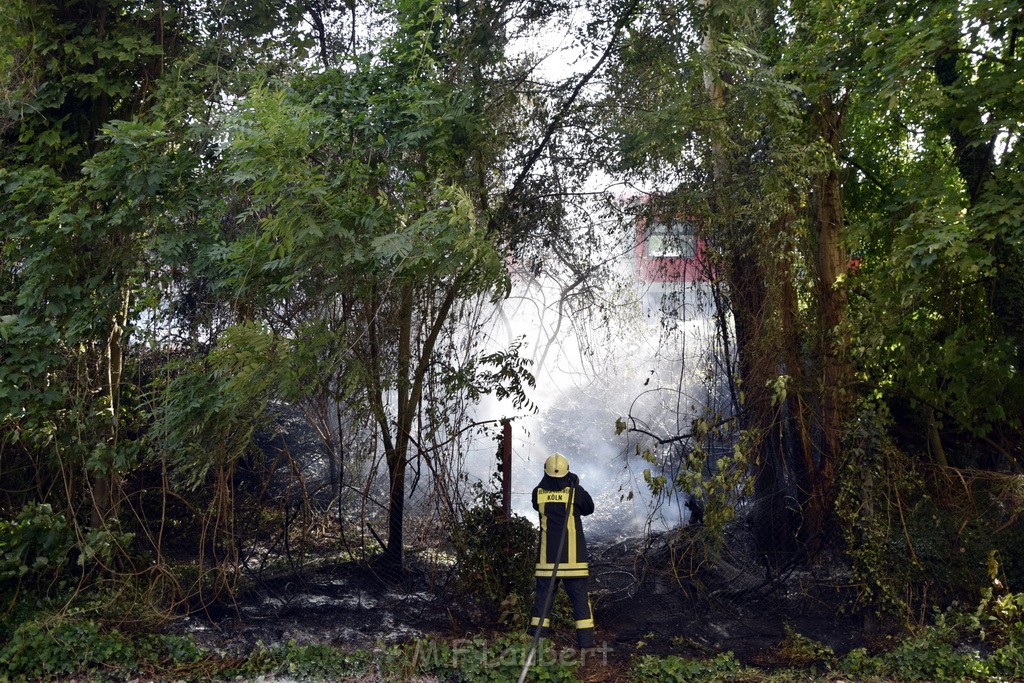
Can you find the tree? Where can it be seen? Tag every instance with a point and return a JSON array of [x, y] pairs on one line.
[[104, 134], [936, 207], [785, 125], [365, 193], [77, 189]]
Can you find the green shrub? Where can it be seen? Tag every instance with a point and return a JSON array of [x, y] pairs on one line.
[[460, 661], [33, 544], [302, 662], [955, 648], [858, 662], [926, 657], [1007, 662], [996, 617], [54, 646], [918, 536], [998, 621], [800, 651], [673, 669], [496, 556]]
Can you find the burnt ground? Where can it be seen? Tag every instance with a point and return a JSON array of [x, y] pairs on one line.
[[641, 604], [745, 610], [639, 607]]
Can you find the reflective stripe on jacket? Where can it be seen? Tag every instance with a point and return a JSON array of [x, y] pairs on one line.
[[551, 499]]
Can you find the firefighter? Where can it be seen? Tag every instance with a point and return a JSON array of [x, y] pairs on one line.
[[561, 502]]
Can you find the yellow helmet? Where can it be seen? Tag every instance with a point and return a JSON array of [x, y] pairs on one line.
[[556, 465]]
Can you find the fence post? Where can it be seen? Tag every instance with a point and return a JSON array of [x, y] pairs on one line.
[[506, 468]]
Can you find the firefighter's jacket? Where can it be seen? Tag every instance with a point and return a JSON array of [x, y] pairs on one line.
[[551, 499]]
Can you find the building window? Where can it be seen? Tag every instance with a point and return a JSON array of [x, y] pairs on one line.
[[675, 239]]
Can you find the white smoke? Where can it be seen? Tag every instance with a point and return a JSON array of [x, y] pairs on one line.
[[593, 371]]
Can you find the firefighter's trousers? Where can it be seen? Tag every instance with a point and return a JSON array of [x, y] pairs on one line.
[[576, 588]]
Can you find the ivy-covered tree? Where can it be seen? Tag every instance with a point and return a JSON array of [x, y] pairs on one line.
[[75, 234], [800, 134]]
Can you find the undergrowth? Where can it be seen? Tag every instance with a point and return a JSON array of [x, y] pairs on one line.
[[495, 554], [954, 649], [59, 631], [86, 652], [927, 656]]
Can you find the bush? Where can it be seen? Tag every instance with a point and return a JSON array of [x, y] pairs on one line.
[[958, 648], [1007, 661], [496, 556], [673, 669], [460, 661], [44, 648], [923, 658], [302, 662], [34, 544], [800, 651], [917, 535]]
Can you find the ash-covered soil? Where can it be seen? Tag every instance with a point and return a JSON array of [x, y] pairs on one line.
[[737, 604], [641, 605]]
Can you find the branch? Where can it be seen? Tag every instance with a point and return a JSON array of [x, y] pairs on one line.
[[986, 56], [867, 174], [423, 450], [556, 121], [1012, 459], [679, 437]]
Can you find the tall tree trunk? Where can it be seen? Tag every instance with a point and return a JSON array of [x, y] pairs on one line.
[[757, 355], [410, 380], [397, 455], [106, 486], [830, 269], [799, 442], [394, 555], [757, 358]]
